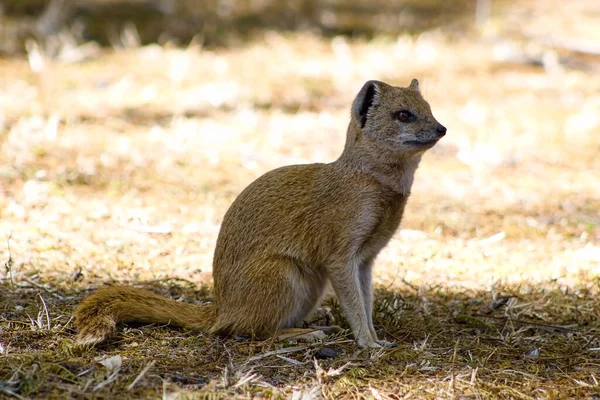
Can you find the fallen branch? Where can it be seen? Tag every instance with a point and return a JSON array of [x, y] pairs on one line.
[[554, 328]]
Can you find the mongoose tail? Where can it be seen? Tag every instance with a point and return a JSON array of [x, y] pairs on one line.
[[97, 316]]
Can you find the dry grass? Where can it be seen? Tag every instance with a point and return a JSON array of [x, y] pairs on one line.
[[120, 167]]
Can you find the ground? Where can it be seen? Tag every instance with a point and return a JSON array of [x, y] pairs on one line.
[[118, 164]]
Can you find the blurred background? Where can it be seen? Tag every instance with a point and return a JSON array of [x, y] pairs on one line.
[[128, 127]]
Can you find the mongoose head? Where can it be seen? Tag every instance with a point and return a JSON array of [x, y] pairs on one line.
[[395, 121]]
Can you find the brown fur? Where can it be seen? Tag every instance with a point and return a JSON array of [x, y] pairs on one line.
[[297, 228]]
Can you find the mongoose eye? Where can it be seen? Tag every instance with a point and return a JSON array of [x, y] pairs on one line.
[[404, 116]]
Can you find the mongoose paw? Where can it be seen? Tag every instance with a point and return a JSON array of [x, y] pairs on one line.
[[369, 344], [303, 335], [313, 336]]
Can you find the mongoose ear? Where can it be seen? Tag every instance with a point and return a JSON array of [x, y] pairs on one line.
[[366, 98], [414, 85]]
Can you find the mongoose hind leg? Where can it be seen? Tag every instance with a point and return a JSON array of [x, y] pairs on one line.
[[301, 334], [268, 302]]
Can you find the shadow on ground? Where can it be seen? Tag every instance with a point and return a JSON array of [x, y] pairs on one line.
[[468, 343]]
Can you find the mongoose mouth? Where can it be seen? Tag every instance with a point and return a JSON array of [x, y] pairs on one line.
[[423, 143]]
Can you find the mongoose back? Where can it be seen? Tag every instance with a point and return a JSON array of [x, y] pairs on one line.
[[295, 229]]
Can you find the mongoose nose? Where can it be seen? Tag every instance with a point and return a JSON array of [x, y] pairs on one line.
[[441, 130]]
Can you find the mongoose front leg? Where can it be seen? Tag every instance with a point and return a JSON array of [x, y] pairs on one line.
[[366, 282], [345, 280], [366, 285]]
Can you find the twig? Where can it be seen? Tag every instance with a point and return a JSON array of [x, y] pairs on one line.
[[67, 323], [141, 374], [290, 360], [45, 289], [109, 380], [297, 348], [9, 263], [10, 393], [46, 310], [589, 341], [559, 329], [278, 352], [410, 285]]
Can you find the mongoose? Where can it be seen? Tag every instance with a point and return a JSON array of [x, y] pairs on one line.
[[295, 229]]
